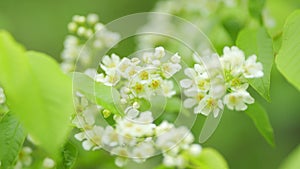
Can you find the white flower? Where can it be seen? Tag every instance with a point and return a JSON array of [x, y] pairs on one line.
[[174, 140], [72, 26], [159, 52], [209, 105], [2, 96], [232, 60], [120, 161], [110, 137], [79, 19], [163, 127], [167, 88], [110, 62], [253, 69], [195, 149], [198, 78], [120, 151], [194, 97], [76, 46], [93, 138], [142, 151], [24, 158], [176, 58], [237, 99], [111, 78], [138, 127], [48, 163], [92, 19], [169, 69]]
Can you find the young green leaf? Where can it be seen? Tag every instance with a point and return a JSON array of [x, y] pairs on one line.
[[69, 156], [106, 96], [258, 42], [288, 58], [292, 161], [12, 137], [209, 159], [255, 9], [37, 92], [261, 120]]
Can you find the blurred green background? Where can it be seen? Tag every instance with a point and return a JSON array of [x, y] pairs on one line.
[[42, 25]]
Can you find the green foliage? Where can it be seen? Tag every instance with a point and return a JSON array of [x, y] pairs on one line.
[[261, 120], [69, 156], [12, 137], [292, 161], [106, 96], [208, 159], [37, 92], [288, 58], [255, 8], [258, 42]]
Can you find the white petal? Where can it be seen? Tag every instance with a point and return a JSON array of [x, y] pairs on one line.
[[189, 103], [186, 83], [241, 106], [106, 60], [80, 136], [87, 145]]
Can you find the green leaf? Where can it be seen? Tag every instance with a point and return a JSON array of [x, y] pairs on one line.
[[12, 137], [163, 167], [261, 120], [37, 92], [258, 42], [288, 58], [209, 159], [255, 8], [292, 161], [106, 96], [69, 156]]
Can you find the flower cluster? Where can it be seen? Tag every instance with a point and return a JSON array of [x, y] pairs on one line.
[[200, 15], [175, 144], [142, 77], [135, 135], [138, 138], [24, 158], [236, 71], [87, 36]]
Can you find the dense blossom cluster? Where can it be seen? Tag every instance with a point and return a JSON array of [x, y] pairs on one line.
[[236, 68], [87, 36], [25, 159], [136, 135], [206, 17], [142, 77], [201, 16]]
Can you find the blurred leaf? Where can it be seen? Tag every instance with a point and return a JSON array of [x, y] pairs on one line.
[[174, 105], [163, 167], [292, 161], [106, 96], [37, 92], [144, 104], [69, 156], [258, 42], [261, 120], [12, 137], [210, 125], [255, 8], [209, 159], [288, 58]]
